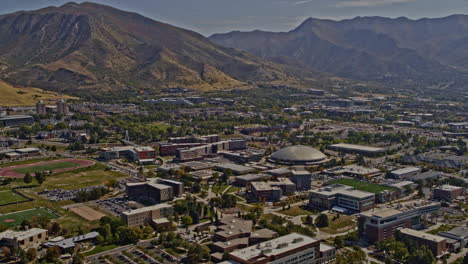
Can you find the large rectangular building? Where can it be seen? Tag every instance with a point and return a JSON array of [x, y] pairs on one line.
[[341, 196], [293, 248], [381, 222], [358, 149], [302, 179], [150, 191], [437, 244], [17, 120], [146, 215]]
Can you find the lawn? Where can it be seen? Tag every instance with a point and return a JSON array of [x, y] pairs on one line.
[[8, 196], [363, 186], [219, 188], [233, 189], [14, 219], [47, 167], [99, 249], [339, 225], [296, 211]]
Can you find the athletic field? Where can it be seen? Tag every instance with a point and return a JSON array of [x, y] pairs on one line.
[[55, 166], [14, 219], [363, 186], [7, 197]]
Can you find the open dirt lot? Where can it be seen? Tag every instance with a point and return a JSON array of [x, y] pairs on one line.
[[87, 213]]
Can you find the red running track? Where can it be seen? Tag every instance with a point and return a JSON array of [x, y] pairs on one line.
[[9, 171]]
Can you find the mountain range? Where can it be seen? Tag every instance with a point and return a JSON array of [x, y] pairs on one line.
[[424, 51], [90, 48]]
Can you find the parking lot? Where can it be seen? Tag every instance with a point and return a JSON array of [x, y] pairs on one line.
[[116, 206], [63, 195], [141, 254]]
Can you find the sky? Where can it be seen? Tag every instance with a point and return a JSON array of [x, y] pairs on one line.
[[218, 16]]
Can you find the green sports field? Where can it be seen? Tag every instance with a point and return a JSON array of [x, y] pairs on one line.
[[8, 196], [47, 167], [14, 219], [363, 186]]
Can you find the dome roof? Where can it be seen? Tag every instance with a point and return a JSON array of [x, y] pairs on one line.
[[298, 154]]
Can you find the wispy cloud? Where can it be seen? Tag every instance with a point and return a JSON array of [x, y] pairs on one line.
[[369, 3], [302, 2]]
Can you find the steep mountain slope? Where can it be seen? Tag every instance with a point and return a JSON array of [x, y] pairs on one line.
[[87, 46], [369, 48]]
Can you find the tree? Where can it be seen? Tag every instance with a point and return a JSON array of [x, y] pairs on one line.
[[422, 256], [339, 242], [322, 220], [27, 178], [77, 259], [31, 254], [40, 177], [52, 254], [197, 253], [187, 220], [55, 228], [25, 224], [196, 188]]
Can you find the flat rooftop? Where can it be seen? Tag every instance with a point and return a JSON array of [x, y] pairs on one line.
[[342, 189], [147, 208], [357, 147], [449, 188], [21, 235], [274, 247], [395, 209], [406, 170], [422, 235]]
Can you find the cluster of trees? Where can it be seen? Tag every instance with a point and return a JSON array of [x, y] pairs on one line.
[[39, 176], [405, 250], [90, 195], [284, 227], [196, 253], [192, 208], [114, 231], [354, 256], [321, 220], [226, 200]]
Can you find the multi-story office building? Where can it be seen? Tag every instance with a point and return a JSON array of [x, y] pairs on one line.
[[341, 196], [31, 238], [292, 249], [381, 222], [146, 215], [448, 192], [264, 191], [177, 186], [150, 191], [302, 179], [437, 244]]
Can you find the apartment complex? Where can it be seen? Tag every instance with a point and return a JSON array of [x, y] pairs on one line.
[[341, 196], [31, 238], [293, 248], [381, 222], [146, 215]]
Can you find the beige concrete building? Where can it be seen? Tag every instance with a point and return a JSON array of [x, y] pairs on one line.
[[31, 238], [147, 215]]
